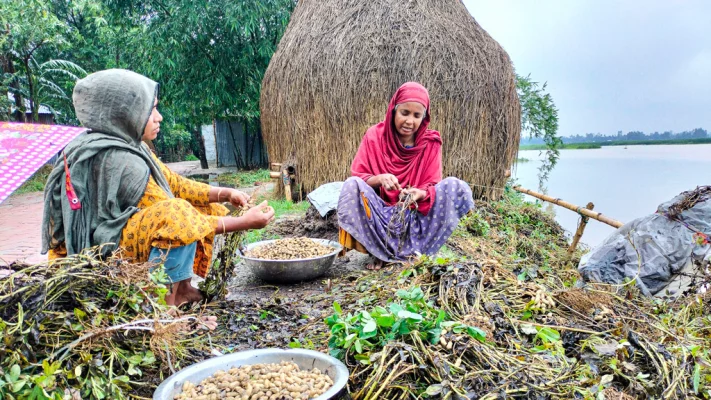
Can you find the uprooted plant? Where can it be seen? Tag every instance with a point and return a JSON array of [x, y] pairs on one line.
[[547, 335], [89, 328]]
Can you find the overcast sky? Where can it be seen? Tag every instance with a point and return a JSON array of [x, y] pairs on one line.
[[611, 65]]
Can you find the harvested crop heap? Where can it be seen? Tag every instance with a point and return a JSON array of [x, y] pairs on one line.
[[89, 328], [512, 320], [283, 381], [290, 249]]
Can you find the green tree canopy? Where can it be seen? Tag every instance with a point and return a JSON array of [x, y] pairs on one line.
[[539, 118]]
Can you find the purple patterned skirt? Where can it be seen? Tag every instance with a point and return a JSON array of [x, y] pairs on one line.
[[391, 240]]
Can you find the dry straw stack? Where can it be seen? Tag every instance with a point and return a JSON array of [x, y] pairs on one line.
[[340, 61]]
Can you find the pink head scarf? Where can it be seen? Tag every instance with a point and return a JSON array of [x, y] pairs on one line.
[[381, 152]]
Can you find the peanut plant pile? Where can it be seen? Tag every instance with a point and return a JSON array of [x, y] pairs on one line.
[[90, 329], [500, 313], [503, 314]]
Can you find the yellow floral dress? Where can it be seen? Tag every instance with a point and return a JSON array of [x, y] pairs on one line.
[[165, 222]]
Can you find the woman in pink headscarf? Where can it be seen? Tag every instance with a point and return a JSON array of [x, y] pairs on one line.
[[397, 157]]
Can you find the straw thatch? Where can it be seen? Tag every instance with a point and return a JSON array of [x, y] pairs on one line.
[[340, 61]]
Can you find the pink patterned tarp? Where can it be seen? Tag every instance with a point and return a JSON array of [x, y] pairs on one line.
[[25, 148]]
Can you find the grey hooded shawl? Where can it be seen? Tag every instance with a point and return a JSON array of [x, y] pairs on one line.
[[109, 166]]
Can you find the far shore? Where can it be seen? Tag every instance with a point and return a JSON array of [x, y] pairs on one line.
[[597, 145]]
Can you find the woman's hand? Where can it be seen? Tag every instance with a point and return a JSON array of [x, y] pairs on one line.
[[417, 194], [238, 199], [388, 182], [259, 216]]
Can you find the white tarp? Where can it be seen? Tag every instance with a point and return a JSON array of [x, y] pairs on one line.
[[325, 197]]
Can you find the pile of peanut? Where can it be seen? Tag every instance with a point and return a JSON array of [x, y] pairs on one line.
[[290, 249], [283, 381]]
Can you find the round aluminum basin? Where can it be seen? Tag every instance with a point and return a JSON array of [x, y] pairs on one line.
[[305, 359], [291, 271]]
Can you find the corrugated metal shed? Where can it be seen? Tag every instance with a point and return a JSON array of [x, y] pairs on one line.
[[240, 145]]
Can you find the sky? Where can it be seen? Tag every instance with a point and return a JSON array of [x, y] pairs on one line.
[[611, 66]]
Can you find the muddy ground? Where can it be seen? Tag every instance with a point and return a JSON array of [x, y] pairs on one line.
[[260, 314]]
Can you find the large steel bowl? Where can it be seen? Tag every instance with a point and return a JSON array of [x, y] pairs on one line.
[[291, 271], [305, 359]]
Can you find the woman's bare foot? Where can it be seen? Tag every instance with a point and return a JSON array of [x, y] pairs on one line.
[[375, 264], [184, 293]]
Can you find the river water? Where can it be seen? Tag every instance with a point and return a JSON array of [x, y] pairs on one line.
[[623, 183]]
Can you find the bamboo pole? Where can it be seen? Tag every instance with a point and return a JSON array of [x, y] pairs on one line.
[[580, 210], [286, 179], [275, 175], [581, 229]]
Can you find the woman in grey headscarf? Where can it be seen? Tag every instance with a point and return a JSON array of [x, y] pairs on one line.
[[111, 191]]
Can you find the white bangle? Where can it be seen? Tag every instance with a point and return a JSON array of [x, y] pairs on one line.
[[218, 193]]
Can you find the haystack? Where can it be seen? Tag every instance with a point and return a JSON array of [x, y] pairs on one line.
[[340, 61]]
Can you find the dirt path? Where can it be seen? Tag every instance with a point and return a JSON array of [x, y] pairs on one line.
[[20, 221]]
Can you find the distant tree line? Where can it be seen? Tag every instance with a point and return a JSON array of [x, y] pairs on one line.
[[698, 133]]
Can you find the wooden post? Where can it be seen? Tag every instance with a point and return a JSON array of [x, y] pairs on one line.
[[580, 210], [286, 179], [581, 229]]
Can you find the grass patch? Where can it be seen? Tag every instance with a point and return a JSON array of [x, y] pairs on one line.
[[237, 179], [36, 182], [249, 178], [446, 252], [257, 235], [283, 207]]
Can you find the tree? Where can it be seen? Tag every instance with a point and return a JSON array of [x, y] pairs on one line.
[[209, 57], [33, 30], [539, 118], [43, 83]]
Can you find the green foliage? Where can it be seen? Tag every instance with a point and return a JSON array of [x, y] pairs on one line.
[[539, 118], [173, 143], [475, 224], [244, 178], [548, 339], [191, 157], [516, 216], [31, 68], [367, 331], [36, 182], [283, 207], [297, 344], [209, 57], [103, 370], [249, 178], [257, 235]]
